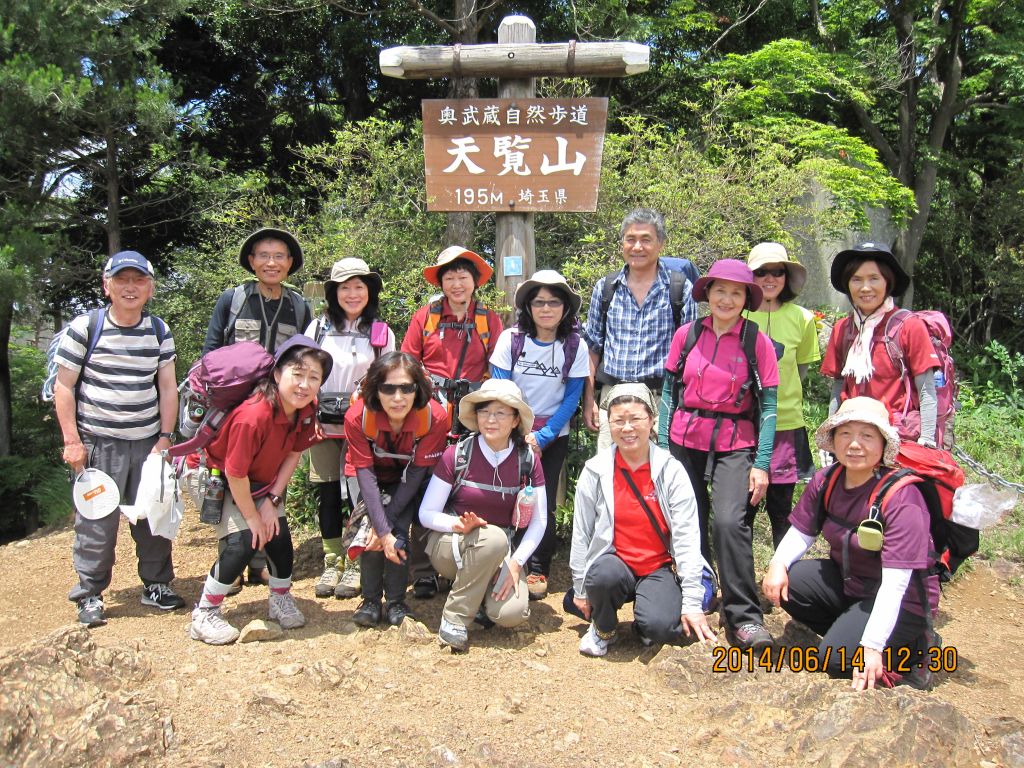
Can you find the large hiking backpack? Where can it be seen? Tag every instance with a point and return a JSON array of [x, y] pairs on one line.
[[217, 384], [908, 422], [570, 347], [464, 453], [937, 476], [93, 332]]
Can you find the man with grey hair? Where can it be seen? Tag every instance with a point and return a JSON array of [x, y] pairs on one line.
[[633, 315]]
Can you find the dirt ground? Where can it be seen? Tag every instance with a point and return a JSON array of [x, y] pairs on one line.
[[334, 694]]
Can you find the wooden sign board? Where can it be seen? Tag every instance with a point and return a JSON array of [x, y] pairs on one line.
[[513, 155]]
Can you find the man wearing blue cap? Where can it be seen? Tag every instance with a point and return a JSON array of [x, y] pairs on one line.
[[116, 399]]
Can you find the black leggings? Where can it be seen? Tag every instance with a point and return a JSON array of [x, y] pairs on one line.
[[238, 551], [551, 460], [331, 510]]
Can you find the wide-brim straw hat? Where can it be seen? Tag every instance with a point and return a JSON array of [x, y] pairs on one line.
[[349, 267], [294, 249], [547, 278], [866, 410], [730, 269], [764, 254], [868, 252], [503, 391], [450, 254]]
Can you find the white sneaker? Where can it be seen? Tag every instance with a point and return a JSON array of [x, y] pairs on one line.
[[592, 645], [210, 626], [285, 612]]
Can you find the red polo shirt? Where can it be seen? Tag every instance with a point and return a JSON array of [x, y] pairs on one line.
[[254, 441], [360, 450], [440, 355], [636, 542]]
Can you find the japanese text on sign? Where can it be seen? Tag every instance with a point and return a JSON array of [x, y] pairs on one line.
[[513, 154]]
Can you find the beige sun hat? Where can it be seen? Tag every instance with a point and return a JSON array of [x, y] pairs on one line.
[[637, 390], [450, 254], [763, 254], [866, 410], [349, 267], [503, 391], [547, 278]]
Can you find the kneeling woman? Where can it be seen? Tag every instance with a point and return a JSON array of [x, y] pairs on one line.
[[470, 508], [868, 598], [636, 536], [257, 449], [396, 433]]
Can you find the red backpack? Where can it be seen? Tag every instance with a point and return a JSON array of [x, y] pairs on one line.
[[908, 422]]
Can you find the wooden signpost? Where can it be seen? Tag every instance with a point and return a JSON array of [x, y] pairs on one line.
[[515, 60]]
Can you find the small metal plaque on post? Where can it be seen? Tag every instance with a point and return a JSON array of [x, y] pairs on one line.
[[513, 155], [512, 266]]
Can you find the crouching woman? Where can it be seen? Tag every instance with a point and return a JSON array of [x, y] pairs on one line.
[[257, 450], [873, 598], [477, 539], [636, 536]]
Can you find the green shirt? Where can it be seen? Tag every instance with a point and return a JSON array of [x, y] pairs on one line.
[[794, 328]]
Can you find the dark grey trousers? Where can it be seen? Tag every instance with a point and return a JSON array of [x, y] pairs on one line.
[[93, 552], [657, 600]]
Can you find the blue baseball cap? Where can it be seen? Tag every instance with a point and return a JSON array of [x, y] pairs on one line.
[[128, 260]]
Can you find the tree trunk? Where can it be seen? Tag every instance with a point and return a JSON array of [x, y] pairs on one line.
[[6, 427], [113, 179]]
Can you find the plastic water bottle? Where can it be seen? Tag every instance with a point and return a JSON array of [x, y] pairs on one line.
[[940, 378], [194, 413], [526, 505], [213, 500]]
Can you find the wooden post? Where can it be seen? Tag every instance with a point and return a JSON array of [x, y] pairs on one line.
[[514, 231]]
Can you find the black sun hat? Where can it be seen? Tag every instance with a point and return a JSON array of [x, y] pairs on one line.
[[869, 252]]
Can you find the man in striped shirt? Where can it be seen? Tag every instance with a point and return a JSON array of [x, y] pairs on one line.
[[116, 405]]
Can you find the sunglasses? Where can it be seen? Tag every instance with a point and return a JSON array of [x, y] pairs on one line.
[[541, 303], [391, 389], [764, 272]]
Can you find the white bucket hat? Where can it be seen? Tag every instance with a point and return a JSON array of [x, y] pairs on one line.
[[866, 410], [547, 278], [763, 254], [503, 391]]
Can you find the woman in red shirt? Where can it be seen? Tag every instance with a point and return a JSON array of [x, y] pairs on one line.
[[857, 358], [257, 450]]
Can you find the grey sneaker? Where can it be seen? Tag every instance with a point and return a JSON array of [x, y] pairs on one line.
[[348, 584], [453, 636], [161, 596], [751, 635], [90, 611], [210, 627], [329, 578], [285, 612]]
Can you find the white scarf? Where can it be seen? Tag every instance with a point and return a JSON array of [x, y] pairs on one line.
[[858, 359]]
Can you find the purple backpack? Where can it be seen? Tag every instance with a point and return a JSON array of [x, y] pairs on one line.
[[570, 346], [217, 384]]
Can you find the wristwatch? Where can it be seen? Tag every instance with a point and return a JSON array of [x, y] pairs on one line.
[[168, 435], [274, 499]]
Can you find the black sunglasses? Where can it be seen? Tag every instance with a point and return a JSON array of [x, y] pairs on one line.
[[390, 389], [764, 272]]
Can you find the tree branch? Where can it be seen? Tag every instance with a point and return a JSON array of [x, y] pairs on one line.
[[877, 138], [738, 23], [431, 16]]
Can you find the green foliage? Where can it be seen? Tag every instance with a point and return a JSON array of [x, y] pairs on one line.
[[301, 501], [996, 375]]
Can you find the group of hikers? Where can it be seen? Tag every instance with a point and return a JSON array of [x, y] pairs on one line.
[[436, 463]]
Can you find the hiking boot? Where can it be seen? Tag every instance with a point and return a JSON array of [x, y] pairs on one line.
[[482, 618], [397, 611], [329, 578], [90, 611], [424, 587], [236, 586], [210, 626], [159, 595], [920, 676], [537, 586], [367, 614], [750, 635], [284, 611], [453, 636], [348, 584], [592, 644]]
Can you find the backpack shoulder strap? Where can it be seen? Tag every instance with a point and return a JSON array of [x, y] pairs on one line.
[[607, 294], [893, 326], [94, 330], [323, 325], [526, 460], [692, 335], [832, 474], [299, 305], [887, 486], [159, 328], [370, 424], [481, 318], [463, 455], [570, 348], [676, 286], [424, 420], [433, 318], [518, 343], [749, 341]]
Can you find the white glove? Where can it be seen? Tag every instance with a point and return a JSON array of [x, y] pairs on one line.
[[825, 458]]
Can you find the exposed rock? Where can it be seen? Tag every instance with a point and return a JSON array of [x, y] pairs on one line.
[[290, 670], [66, 702], [412, 631], [260, 630]]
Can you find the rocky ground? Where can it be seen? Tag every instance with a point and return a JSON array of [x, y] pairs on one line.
[[140, 691]]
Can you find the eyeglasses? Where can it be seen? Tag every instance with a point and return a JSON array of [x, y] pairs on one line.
[[541, 303], [485, 415], [391, 389], [636, 422], [265, 257], [764, 272]]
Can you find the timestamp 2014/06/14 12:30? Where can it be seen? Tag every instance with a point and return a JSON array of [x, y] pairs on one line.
[[800, 659]]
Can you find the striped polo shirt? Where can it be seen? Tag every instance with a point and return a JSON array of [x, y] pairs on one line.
[[117, 395]]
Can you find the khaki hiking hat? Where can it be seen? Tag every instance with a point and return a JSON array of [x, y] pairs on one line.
[[764, 254], [866, 410], [450, 254], [349, 267], [547, 278], [503, 391], [294, 249]]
